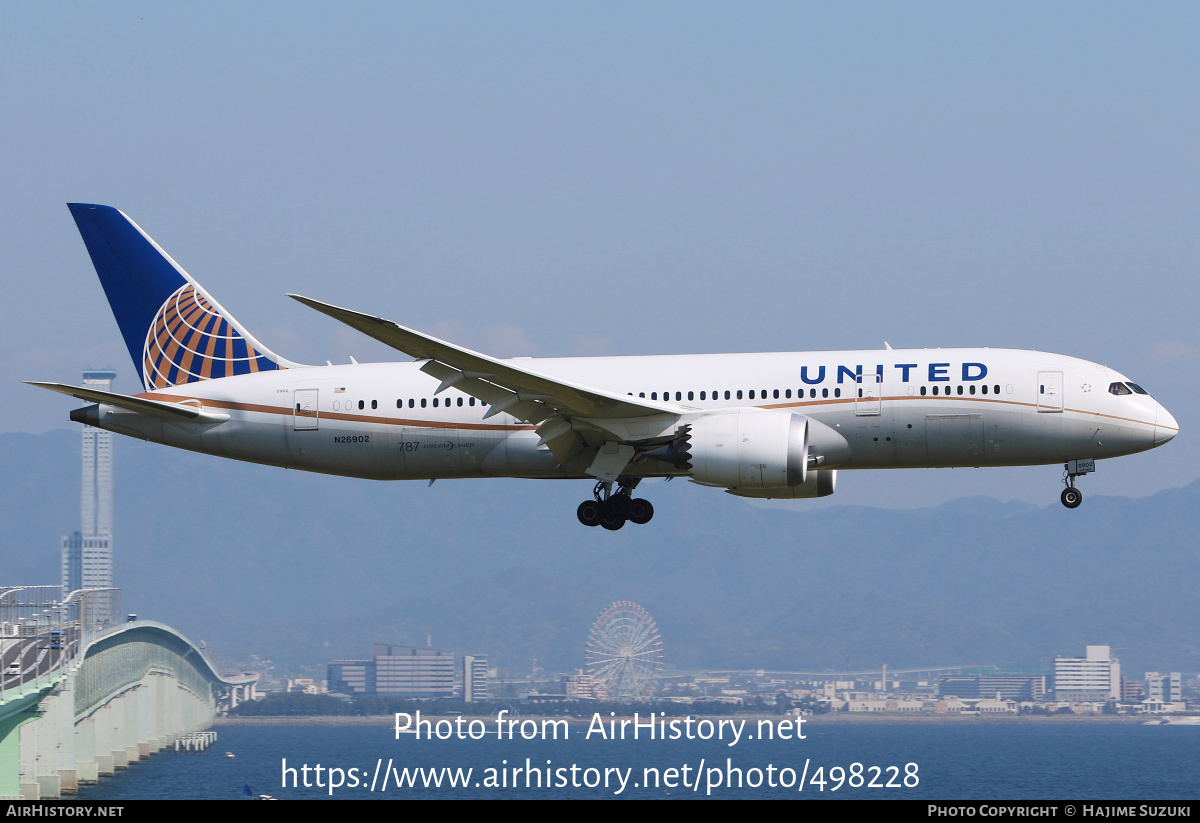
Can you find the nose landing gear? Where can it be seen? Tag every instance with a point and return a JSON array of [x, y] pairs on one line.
[[1071, 496], [612, 509]]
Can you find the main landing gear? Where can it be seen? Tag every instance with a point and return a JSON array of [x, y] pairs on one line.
[[1071, 496], [611, 509]]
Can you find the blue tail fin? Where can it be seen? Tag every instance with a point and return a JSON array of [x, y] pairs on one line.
[[175, 332]]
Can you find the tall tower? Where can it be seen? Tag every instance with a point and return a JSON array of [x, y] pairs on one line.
[[87, 554], [475, 678]]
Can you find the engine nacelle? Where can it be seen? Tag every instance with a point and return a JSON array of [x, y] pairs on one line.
[[820, 483], [749, 448]]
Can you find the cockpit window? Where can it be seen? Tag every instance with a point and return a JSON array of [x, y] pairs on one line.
[[1137, 388], [1119, 388]]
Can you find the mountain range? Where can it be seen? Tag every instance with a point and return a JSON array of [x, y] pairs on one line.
[[302, 568]]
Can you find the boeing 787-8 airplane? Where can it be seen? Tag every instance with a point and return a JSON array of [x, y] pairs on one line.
[[777, 425]]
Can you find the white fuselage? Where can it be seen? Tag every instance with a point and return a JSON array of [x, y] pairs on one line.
[[992, 407]]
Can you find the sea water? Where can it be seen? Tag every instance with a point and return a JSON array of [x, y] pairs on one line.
[[913, 761]]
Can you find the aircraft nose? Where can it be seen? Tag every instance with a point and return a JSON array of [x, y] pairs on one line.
[[1165, 426]]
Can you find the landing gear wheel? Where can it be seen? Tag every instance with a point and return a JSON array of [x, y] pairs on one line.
[[640, 511], [1072, 497], [611, 519], [619, 504], [590, 512]]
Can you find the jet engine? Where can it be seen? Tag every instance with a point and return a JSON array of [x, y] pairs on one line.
[[757, 452], [820, 483], [749, 448]]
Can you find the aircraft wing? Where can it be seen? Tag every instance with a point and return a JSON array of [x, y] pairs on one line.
[[569, 416], [141, 405], [523, 393]]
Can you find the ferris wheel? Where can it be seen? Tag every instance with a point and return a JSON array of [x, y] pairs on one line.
[[624, 653]]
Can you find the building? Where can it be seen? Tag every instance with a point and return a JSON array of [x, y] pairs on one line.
[[1095, 678], [579, 685], [305, 685], [1164, 688], [407, 671], [1020, 686], [475, 678], [87, 555], [1131, 690], [351, 676], [413, 671]]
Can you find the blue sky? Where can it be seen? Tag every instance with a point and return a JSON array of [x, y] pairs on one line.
[[558, 178]]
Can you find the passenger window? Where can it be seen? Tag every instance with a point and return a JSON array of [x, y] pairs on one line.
[[653, 395], [739, 394], [411, 402], [458, 402], [984, 388], [752, 394], [702, 395], [973, 388], [727, 394], [824, 392], [361, 404], [690, 396], [641, 394], [470, 401], [679, 395], [775, 394], [788, 394], [960, 391], [922, 391], [374, 404], [422, 402], [435, 402], [837, 392]]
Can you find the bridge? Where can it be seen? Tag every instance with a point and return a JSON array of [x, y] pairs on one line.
[[83, 695]]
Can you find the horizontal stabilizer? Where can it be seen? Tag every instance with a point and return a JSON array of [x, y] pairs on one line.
[[154, 408]]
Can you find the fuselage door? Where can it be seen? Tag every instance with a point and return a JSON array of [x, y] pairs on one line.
[[304, 409], [869, 399], [1050, 391]]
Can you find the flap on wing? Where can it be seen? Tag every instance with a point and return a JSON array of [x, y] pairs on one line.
[[155, 408], [525, 394]]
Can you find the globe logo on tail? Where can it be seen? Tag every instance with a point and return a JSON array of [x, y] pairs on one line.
[[191, 340]]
